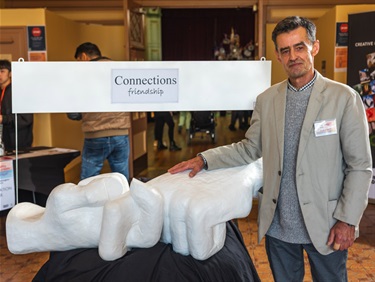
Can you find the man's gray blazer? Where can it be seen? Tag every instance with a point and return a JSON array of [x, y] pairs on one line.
[[333, 171]]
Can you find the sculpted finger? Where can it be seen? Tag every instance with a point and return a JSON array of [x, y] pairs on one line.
[[22, 234], [103, 188], [131, 221]]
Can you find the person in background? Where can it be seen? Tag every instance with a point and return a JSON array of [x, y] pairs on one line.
[[246, 119], [160, 119], [184, 119], [106, 134], [312, 134], [235, 115], [8, 120]]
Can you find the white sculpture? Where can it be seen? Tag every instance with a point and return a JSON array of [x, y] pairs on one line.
[[74, 213], [103, 212]]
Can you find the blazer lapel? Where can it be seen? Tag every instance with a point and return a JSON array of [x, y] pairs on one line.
[[313, 109], [279, 110]]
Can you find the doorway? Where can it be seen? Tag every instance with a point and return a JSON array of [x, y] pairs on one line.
[[194, 34], [13, 43]]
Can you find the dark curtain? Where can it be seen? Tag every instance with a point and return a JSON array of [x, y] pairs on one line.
[[193, 34]]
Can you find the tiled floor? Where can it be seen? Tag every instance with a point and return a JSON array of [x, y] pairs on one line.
[[361, 263]]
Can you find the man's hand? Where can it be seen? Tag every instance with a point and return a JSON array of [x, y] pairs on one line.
[[195, 164], [341, 236]]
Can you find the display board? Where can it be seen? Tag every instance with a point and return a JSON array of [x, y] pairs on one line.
[[361, 72], [108, 86], [7, 194]]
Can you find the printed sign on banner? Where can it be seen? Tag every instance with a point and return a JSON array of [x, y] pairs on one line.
[[145, 86]]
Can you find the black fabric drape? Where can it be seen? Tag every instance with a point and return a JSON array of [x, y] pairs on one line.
[[157, 264]]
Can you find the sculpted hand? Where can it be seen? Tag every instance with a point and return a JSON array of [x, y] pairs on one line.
[[102, 211], [71, 219], [196, 209], [196, 165], [341, 236]]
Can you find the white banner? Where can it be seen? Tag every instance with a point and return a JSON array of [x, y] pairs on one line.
[[52, 87]]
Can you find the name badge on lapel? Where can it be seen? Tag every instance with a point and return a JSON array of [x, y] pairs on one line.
[[325, 127]]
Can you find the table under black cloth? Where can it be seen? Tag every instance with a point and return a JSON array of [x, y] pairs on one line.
[[159, 263]]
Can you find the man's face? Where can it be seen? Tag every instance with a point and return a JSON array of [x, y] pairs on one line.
[[5, 75], [83, 57], [296, 53]]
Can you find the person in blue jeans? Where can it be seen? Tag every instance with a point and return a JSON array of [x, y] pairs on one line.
[[96, 150], [106, 134]]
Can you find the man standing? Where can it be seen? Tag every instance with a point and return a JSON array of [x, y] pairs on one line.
[[313, 136], [106, 134], [160, 119], [7, 119]]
